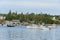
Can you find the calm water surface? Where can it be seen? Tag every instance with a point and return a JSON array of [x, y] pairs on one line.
[[23, 33]]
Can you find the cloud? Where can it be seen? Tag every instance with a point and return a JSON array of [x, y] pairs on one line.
[[31, 6], [28, 4]]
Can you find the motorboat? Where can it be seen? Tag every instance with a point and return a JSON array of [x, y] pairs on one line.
[[44, 28]]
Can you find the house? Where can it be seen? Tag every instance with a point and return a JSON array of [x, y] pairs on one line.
[[13, 22], [2, 17], [53, 18]]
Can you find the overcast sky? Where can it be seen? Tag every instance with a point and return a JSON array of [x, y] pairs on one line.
[[37, 6]]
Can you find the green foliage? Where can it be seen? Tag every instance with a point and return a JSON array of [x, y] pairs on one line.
[[31, 18]]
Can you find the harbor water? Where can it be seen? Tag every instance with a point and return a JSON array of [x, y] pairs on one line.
[[23, 33]]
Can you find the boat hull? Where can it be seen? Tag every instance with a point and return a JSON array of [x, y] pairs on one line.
[[10, 26]]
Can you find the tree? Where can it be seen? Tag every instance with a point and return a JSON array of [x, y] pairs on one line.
[[8, 16]]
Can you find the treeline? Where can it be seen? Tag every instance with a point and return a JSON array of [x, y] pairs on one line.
[[30, 17]]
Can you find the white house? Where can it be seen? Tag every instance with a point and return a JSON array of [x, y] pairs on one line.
[[13, 22], [2, 17], [53, 18]]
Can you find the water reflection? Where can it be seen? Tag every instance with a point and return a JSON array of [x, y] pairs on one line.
[[22, 33]]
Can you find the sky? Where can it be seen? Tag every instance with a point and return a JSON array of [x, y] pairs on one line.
[[37, 6]]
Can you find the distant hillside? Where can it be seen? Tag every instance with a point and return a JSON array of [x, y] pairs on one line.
[[32, 17]]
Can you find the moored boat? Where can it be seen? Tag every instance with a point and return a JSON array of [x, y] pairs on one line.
[[10, 26], [44, 28]]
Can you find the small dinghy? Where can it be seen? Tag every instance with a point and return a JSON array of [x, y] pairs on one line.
[[10, 26]]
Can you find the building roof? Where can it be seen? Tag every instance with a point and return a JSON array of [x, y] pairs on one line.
[[15, 21]]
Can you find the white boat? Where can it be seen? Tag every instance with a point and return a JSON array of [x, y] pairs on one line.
[[41, 27], [52, 26], [32, 26], [44, 28]]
